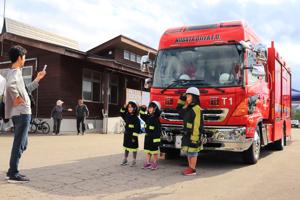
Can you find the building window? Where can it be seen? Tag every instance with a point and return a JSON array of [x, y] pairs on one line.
[[91, 86], [4, 72], [132, 57], [126, 55], [26, 73], [138, 59]]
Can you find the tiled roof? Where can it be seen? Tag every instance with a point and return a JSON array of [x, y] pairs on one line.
[[27, 31]]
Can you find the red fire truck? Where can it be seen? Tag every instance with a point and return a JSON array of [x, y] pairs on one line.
[[245, 87]]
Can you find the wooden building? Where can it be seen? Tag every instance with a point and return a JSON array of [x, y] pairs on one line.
[[99, 76]]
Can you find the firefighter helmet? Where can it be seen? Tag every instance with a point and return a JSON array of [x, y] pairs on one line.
[[226, 78], [156, 107], [156, 104], [193, 90], [135, 106], [184, 77]]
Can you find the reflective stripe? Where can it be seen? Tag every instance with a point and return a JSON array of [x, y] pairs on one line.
[[151, 152], [189, 125], [192, 150], [194, 138], [131, 149], [181, 102], [122, 111], [130, 125], [146, 151], [142, 112], [151, 127], [197, 121], [156, 140], [154, 152], [135, 134], [145, 125]]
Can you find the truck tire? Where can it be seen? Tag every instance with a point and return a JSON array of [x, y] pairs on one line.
[[279, 144], [251, 156]]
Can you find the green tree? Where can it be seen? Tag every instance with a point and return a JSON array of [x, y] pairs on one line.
[[296, 112]]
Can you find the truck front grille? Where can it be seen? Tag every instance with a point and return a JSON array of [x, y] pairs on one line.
[[210, 114]]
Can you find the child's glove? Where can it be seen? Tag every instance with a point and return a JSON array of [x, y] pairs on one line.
[[182, 97]]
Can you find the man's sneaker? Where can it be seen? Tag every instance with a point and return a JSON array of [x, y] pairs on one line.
[[133, 163], [53, 133], [7, 176], [124, 162], [58, 134], [146, 166], [19, 179], [154, 166], [189, 172], [78, 133], [83, 133]]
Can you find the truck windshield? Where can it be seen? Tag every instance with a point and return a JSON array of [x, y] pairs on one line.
[[218, 66]]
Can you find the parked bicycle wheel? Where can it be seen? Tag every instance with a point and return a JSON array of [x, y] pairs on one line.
[[32, 128], [45, 127]]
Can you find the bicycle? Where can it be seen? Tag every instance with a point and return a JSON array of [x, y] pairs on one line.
[[42, 125]]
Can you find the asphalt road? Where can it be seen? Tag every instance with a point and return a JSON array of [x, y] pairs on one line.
[[88, 167]]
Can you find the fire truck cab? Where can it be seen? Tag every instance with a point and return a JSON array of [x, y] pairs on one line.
[[245, 87]]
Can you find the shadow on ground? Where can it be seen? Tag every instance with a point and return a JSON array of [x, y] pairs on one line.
[[100, 176]]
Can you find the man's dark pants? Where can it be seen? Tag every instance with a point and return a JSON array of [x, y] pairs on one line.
[[56, 126], [80, 120], [21, 125]]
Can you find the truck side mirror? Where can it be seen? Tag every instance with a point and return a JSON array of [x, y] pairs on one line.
[[144, 63], [258, 70], [261, 52]]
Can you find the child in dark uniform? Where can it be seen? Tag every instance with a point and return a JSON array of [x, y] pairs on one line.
[[132, 129], [152, 129], [193, 126]]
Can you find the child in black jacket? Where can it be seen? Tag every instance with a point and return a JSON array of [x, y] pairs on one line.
[[132, 129], [193, 126], [152, 129]]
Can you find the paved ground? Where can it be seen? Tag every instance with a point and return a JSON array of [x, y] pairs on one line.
[[88, 167]]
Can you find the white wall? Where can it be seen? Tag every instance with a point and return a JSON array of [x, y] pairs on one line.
[[67, 125]]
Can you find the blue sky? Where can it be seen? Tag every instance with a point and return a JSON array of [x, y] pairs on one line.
[[92, 22]]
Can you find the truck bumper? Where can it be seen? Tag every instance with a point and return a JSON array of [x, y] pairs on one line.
[[218, 138]]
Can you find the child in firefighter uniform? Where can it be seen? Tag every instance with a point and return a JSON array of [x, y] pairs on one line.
[[192, 126], [152, 129], [132, 129]]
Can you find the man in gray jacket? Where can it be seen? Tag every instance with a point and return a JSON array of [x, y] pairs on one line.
[[81, 113], [18, 108]]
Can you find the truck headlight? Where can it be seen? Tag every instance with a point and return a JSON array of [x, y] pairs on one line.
[[228, 134]]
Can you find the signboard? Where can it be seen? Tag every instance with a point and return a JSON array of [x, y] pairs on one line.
[[133, 95]]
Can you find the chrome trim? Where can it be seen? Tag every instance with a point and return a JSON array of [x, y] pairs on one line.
[[205, 127], [237, 143]]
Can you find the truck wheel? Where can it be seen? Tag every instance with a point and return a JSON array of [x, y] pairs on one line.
[[279, 144], [251, 155]]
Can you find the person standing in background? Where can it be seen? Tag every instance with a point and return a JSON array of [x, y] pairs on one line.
[[56, 115], [18, 108], [81, 113]]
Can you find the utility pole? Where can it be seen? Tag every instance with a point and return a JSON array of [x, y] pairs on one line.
[[3, 25]]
